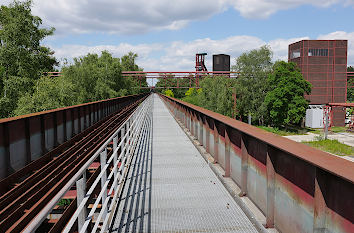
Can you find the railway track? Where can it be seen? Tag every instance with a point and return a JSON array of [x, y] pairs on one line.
[[25, 193]]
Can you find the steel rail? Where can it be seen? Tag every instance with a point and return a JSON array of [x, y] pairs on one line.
[[63, 175]]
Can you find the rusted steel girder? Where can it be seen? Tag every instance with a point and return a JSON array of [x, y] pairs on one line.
[[26, 138], [22, 202]]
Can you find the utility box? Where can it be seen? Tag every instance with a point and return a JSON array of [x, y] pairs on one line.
[[221, 62], [314, 117]]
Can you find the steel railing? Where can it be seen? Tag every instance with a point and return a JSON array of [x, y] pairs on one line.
[[130, 133]]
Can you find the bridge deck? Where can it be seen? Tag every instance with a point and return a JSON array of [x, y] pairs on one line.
[[170, 187]]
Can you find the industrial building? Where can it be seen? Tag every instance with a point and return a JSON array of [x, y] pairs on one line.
[[324, 64]]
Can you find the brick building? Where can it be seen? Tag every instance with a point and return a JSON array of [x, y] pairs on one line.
[[324, 64]]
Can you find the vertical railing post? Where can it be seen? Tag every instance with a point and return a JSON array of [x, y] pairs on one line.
[[103, 161], [192, 123], [122, 133], [127, 132], [227, 151], [270, 189], [81, 192], [201, 136], [28, 141], [319, 221], [326, 124], [195, 125], [115, 158], [216, 142], [244, 165], [185, 117], [207, 134]]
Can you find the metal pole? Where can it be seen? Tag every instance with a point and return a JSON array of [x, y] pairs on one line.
[[81, 191], [103, 161], [115, 144], [326, 124]]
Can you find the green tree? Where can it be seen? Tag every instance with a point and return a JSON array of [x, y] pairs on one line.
[[49, 93], [251, 87], [89, 78], [132, 85], [22, 58], [99, 77], [193, 96], [285, 101], [217, 95], [171, 81], [350, 86]]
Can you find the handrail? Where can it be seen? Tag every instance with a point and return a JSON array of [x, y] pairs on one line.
[[334, 164]]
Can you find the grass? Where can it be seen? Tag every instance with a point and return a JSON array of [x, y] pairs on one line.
[[338, 129], [301, 131], [288, 131], [332, 146]]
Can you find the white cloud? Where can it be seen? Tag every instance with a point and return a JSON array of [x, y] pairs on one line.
[[265, 8], [121, 16], [180, 56], [140, 16], [280, 47]]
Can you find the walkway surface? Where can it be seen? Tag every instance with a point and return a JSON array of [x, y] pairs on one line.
[[170, 187]]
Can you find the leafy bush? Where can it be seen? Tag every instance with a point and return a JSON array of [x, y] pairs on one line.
[[169, 93]]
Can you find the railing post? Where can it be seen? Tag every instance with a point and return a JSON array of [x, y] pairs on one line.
[[196, 132], [216, 143], [127, 132], [81, 192], [319, 221], [207, 134], [185, 117], [192, 124], [244, 165], [227, 152], [201, 137], [189, 121], [122, 133], [270, 189], [115, 144], [103, 161]]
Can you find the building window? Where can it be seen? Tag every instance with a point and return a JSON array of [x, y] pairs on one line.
[[295, 54], [318, 52]]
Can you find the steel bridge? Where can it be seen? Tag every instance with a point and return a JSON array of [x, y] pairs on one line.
[[151, 163]]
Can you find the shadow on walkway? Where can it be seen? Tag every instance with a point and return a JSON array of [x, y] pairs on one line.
[[134, 207]]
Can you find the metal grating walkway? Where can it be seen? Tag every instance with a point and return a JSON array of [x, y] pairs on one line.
[[170, 188]]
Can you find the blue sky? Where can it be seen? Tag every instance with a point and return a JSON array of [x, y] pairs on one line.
[[167, 34]]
